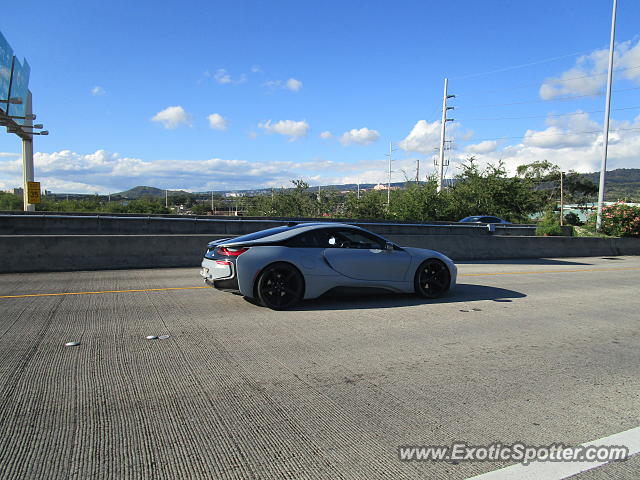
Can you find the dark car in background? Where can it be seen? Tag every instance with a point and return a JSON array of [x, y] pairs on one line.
[[483, 219]]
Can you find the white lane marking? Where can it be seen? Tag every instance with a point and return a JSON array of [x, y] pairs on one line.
[[561, 470]]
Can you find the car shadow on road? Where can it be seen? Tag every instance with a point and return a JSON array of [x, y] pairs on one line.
[[525, 261], [463, 292]]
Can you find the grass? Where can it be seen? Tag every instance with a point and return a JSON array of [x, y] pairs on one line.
[[585, 232]]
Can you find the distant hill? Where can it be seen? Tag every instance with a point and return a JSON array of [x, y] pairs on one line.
[[143, 191], [621, 184], [140, 191]]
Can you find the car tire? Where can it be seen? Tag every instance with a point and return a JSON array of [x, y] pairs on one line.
[[280, 286], [432, 279]]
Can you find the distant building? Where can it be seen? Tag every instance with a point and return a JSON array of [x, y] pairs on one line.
[[18, 191]]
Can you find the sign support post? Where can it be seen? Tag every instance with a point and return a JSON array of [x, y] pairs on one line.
[[27, 157]]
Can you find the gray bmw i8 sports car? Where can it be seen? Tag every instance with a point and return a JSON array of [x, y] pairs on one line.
[[280, 266]]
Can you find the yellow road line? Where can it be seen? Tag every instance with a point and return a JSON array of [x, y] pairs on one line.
[[548, 271], [104, 291], [531, 272]]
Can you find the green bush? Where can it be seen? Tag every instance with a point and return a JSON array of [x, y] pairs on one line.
[[572, 219], [549, 230], [621, 220]]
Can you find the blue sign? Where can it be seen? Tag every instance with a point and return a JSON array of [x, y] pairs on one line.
[[19, 88], [6, 59]]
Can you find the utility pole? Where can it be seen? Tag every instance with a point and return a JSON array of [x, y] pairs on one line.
[[561, 200], [417, 170], [166, 198], [443, 132], [212, 211], [391, 150], [607, 110]]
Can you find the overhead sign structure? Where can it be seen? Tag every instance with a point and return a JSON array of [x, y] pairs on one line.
[[16, 114], [19, 89], [6, 63], [33, 192]]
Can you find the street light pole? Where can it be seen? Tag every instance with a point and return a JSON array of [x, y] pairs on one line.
[[607, 110]]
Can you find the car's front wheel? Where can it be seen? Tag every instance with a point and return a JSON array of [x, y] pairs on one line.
[[432, 279], [280, 286]]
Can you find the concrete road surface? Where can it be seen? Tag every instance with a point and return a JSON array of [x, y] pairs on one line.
[[537, 351]]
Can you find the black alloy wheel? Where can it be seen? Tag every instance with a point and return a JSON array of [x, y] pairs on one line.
[[432, 278], [280, 286]]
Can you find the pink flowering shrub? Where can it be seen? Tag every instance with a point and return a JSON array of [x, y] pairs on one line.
[[621, 220]]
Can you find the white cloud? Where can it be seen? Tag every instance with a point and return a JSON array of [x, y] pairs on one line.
[[326, 135], [289, 128], [561, 142], [256, 69], [362, 136], [588, 75], [98, 90], [486, 146], [574, 143], [217, 121], [423, 138], [223, 77], [172, 117], [565, 131], [294, 85], [103, 172]]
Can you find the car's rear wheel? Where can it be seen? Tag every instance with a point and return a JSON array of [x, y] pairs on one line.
[[280, 286], [432, 279]]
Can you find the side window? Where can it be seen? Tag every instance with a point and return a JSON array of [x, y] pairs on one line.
[[347, 238], [305, 240]]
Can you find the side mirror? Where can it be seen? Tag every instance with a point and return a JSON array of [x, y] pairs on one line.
[[388, 247]]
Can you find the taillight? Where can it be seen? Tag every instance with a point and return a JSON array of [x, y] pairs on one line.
[[231, 252]]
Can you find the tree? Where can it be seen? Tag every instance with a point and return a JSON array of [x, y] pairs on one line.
[[371, 204], [419, 202], [545, 177], [490, 191], [9, 201]]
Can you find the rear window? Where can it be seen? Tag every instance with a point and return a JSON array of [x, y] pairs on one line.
[[261, 234]]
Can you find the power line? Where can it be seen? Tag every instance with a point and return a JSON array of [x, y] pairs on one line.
[[550, 115], [524, 65], [557, 99], [555, 134], [533, 101], [523, 85]]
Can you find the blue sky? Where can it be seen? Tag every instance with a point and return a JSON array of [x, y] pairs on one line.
[[222, 95]]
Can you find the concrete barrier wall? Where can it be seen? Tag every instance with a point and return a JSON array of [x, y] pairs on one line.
[[47, 253], [500, 247], [49, 224]]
